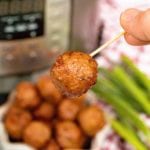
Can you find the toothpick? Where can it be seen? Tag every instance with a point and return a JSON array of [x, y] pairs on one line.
[[106, 44]]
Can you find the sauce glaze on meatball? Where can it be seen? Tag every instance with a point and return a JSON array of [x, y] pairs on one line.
[[74, 73]]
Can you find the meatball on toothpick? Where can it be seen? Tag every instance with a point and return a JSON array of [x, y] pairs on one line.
[[74, 73]]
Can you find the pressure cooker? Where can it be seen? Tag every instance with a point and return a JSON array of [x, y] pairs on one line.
[[34, 32]]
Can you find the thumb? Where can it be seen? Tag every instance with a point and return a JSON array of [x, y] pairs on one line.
[[136, 24]]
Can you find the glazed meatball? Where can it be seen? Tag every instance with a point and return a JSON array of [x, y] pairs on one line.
[[44, 111], [68, 109], [91, 119], [27, 96], [74, 73], [52, 145], [36, 134], [69, 135], [15, 122], [48, 90]]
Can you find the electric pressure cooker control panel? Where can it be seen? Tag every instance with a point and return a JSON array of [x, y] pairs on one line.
[[32, 34]]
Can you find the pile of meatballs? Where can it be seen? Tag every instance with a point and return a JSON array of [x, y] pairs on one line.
[[44, 119]]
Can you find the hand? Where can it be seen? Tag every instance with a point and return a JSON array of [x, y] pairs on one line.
[[136, 24]]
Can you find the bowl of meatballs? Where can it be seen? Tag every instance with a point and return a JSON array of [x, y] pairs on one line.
[[38, 116]]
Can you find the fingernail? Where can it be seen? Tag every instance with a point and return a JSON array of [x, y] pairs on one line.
[[129, 15]]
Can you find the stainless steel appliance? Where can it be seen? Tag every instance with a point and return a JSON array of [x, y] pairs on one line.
[[34, 32]]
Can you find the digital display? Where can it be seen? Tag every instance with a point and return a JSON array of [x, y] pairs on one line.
[[21, 19], [12, 7]]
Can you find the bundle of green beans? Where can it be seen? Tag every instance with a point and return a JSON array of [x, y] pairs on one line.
[[127, 90]]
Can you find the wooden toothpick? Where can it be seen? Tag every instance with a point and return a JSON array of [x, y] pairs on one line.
[[95, 52]]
